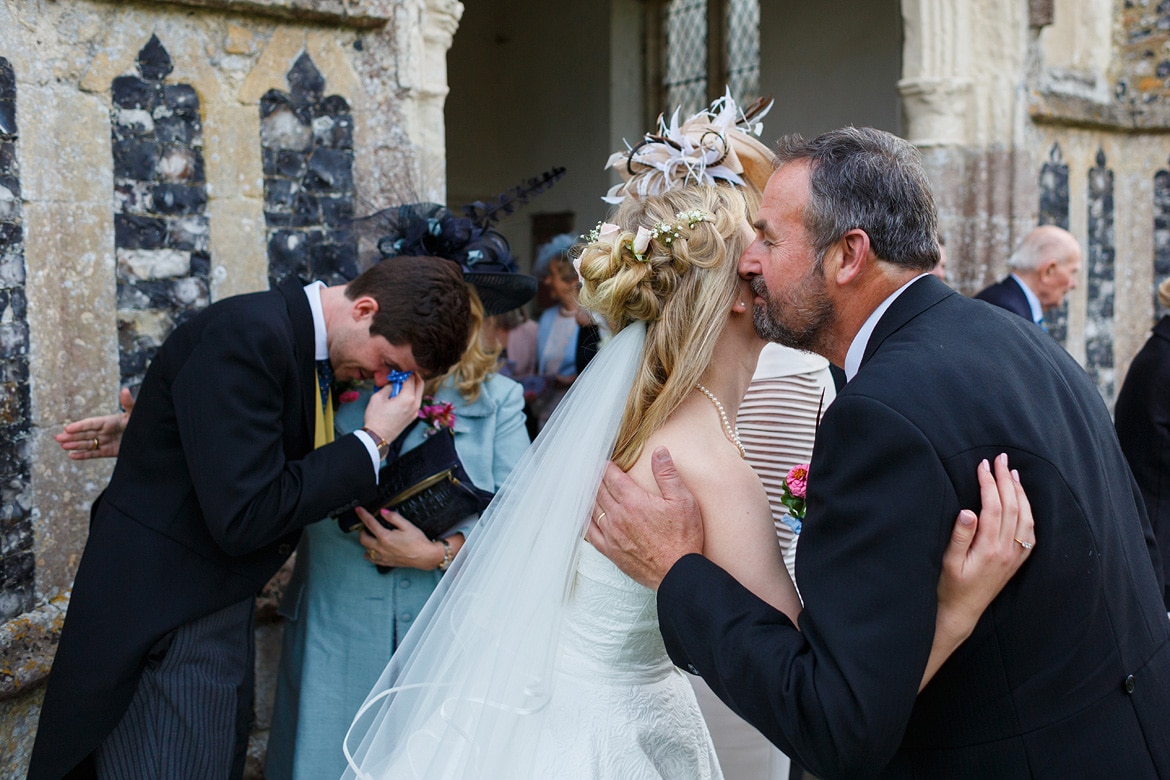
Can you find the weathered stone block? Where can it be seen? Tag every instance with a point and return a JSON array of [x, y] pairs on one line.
[[190, 292], [336, 211], [177, 129], [131, 122], [133, 92], [8, 118], [135, 159], [17, 535], [132, 198], [69, 251], [10, 233], [237, 245], [179, 198], [153, 60], [305, 211], [232, 153], [288, 250], [153, 263], [188, 233], [178, 164], [280, 194], [283, 129], [330, 170], [335, 131], [139, 232], [333, 263], [9, 203], [12, 273], [182, 99], [8, 164], [13, 340], [306, 83], [14, 407], [7, 80], [285, 163], [240, 40]]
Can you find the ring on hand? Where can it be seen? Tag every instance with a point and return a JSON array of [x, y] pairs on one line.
[[1025, 545], [600, 516], [95, 443]]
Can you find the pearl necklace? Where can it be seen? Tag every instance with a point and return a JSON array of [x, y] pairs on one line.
[[728, 428]]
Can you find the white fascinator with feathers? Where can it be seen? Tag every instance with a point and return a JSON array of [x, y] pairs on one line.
[[719, 142]]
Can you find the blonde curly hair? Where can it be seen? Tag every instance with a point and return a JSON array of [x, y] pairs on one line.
[[683, 291], [476, 363]]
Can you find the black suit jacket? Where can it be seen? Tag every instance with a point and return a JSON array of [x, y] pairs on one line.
[[215, 477], [1067, 674], [1007, 294], [1142, 416]]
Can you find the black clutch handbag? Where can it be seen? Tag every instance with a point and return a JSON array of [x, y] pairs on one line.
[[428, 486]]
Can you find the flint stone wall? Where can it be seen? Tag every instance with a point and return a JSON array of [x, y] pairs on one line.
[[136, 187]]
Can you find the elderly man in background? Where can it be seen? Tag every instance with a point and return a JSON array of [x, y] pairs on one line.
[[1043, 270]]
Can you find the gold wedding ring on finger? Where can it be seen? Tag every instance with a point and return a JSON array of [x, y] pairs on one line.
[[95, 443], [598, 521], [1022, 543]]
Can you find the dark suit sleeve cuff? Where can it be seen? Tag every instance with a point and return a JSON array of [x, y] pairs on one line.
[[695, 600], [675, 590]]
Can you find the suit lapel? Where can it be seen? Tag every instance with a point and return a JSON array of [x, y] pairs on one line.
[[917, 298], [301, 317]]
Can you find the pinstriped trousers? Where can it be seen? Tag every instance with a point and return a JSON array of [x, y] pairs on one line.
[[191, 712]]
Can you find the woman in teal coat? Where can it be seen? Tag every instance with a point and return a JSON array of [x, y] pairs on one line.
[[344, 618]]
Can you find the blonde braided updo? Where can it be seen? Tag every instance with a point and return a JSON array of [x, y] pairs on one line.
[[682, 285]]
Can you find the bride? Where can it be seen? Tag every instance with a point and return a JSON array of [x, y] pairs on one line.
[[536, 657]]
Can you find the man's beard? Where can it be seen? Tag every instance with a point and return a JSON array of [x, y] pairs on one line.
[[803, 324]]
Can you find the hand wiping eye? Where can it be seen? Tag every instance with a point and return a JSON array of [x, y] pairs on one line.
[[395, 380]]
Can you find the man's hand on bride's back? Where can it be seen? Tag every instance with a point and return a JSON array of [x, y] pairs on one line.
[[644, 534]]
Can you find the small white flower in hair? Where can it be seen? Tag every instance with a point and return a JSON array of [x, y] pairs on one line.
[[693, 217]]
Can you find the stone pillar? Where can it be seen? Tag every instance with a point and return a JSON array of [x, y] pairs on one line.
[[135, 187], [963, 104]]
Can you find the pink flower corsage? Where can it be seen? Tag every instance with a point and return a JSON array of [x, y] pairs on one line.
[[794, 493], [437, 416]]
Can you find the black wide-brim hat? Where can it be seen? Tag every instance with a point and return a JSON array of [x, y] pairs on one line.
[[501, 291], [482, 254]]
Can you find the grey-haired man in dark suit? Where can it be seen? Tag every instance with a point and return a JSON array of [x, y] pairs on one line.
[[1067, 673]]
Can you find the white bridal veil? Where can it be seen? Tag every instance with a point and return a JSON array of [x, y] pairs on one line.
[[465, 693]]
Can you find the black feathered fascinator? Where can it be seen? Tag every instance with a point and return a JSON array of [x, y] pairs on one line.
[[431, 229]]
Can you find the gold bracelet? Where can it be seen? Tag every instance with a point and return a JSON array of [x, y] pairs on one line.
[[448, 555]]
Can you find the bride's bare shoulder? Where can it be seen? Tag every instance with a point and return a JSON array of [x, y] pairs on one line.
[[707, 461]]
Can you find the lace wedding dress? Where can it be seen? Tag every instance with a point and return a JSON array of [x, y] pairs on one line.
[[536, 657], [620, 708]]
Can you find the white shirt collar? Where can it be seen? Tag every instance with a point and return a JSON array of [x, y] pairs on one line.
[[320, 345], [861, 340], [1033, 301]]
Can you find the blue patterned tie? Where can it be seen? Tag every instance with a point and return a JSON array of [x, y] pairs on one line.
[[325, 378]]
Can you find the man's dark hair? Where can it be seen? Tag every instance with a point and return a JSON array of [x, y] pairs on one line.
[[423, 302], [869, 179]]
